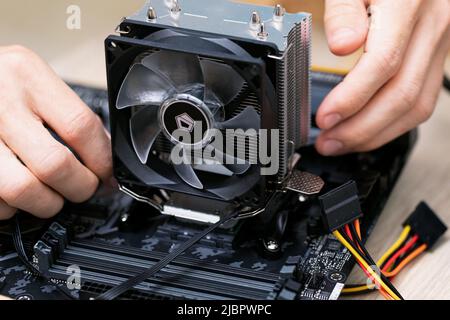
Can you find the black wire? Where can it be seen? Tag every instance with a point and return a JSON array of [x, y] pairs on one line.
[[373, 263], [395, 251], [130, 283], [366, 256], [18, 245], [447, 83], [398, 261], [405, 255], [357, 293]]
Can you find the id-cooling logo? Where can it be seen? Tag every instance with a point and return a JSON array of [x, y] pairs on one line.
[[185, 122]]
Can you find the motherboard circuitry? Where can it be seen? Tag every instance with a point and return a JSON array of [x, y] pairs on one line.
[[111, 238], [313, 269]]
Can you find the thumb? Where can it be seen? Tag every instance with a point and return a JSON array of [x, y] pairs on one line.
[[346, 25]]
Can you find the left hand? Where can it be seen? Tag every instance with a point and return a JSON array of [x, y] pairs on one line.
[[394, 86]]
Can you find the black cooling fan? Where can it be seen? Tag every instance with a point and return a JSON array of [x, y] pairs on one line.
[[193, 91]]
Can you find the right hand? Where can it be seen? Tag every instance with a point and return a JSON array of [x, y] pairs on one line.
[[36, 171]]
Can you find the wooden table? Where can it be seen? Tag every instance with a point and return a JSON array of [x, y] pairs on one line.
[[77, 55]]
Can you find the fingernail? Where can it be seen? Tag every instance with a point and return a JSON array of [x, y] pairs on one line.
[[331, 120], [342, 35], [331, 147]]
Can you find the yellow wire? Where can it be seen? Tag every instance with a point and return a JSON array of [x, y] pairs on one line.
[[365, 265], [385, 256], [358, 289], [395, 246], [407, 260], [366, 287], [340, 72]]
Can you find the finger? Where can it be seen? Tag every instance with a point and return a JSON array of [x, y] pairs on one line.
[[393, 100], [63, 111], [421, 111], [346, 25], [19, 188], [419, 114], [385, 48], [6, 212], [51, 162]]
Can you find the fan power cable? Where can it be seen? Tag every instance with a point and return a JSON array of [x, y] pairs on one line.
[[447, 83], [19, 247], [150, 272]]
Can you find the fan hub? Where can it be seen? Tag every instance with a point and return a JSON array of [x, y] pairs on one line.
[[186, 119]]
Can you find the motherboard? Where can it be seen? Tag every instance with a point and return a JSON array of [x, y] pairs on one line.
[[112, 238]]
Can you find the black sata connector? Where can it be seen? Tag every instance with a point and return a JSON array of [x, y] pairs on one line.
[[340, 206], [426, 224]]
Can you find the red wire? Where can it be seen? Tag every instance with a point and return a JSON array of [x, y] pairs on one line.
[[347, 230], [400, 252]]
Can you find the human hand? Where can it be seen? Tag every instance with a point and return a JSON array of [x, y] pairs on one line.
[[395, 84], [36, 171]]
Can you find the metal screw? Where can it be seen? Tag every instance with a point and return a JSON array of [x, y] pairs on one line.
[[278, 12], [272, 245], [151, 14], [175, 7], [263, 34], [255, 20], [302, 198], [124, 217], [336, 276]]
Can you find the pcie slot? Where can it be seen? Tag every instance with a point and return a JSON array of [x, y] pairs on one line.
[[181, 261]]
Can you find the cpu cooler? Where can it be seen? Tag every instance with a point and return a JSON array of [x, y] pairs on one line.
[[190, 79]]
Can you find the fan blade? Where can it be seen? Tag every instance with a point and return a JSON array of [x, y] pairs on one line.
[[214, 167], [229, 46], [230, 163], [187, 174], [247, 119], [144, 129], [142, 86], [182, 40], [221, 81], [237, 186], [144, 173], [181, 69]]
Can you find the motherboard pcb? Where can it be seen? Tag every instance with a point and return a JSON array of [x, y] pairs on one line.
[[111, 238]]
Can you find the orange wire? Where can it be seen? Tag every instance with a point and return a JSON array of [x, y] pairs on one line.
[[358, 228], [399, 253], [385, 294], [347, 230], [406, 261]]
